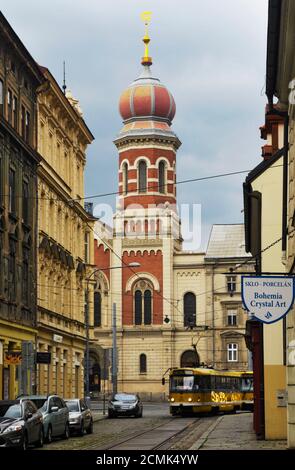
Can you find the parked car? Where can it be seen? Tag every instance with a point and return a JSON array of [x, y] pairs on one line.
[[55, 415], [80, 416], [123, 404], [21, 424]]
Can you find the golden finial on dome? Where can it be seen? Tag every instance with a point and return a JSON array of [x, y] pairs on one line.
[[146, 18]]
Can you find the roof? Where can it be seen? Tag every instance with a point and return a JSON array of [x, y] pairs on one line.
[[264, 165], [48, 75], [207, 371], [273, 34], [226, 241], [20, 48]]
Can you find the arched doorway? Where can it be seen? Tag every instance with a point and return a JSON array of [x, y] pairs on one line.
[[94, 375], [190, 358]]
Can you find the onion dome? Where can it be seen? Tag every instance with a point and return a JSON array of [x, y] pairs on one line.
[[147, 97], [147, 107]]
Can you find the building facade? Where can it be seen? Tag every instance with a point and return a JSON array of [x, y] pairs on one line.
[[65, 241], [20, 78], [175, 308], [280, 84], [263, 196], [275, 184]]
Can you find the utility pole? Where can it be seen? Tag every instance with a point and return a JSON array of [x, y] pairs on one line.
[[114, 351]]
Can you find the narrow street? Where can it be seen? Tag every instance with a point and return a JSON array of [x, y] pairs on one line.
[[155, 430]]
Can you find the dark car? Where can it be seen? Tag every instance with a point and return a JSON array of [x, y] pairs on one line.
[[80, 416], [55, 415], [124, 404], [21, 424]]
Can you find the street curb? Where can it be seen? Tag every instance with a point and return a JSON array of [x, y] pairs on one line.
[[199, 443], [99, 418]]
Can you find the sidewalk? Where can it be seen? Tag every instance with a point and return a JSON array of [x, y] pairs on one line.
[[231, 432], [98, 415]]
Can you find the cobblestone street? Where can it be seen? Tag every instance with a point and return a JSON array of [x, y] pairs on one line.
[[107, 431], [158, 430]]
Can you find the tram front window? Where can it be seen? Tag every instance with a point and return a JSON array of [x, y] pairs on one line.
[[181, 383]]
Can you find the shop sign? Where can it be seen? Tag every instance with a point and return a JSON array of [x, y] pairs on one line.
[[268, 298], [13, 357]]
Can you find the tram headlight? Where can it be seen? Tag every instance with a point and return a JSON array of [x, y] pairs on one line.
[[189, 399], [172, 399]]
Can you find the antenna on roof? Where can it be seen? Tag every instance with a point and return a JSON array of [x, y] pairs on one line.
[[64, 87]]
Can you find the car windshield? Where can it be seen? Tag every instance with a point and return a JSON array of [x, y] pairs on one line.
[[40, 403], [122, 397], [72, 405], [11, 411]]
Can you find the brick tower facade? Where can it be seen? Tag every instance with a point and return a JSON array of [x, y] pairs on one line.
[[157, 302]]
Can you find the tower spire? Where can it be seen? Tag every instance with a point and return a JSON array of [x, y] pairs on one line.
[[146, 18], [64, 86]]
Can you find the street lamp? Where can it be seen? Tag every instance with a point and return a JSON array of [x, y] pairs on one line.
[[114, 327]]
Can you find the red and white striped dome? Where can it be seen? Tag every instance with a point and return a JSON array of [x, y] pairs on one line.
[[148, 98]]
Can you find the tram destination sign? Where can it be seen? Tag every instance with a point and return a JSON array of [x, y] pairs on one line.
[[268, 298]]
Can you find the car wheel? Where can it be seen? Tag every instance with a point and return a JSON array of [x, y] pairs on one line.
[[111, 414], [89, 430], [25, 442], [40, 441], [49, 434], [66, 434], [81, 430]]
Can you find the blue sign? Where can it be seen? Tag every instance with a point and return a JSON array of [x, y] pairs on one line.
[[268, 298]]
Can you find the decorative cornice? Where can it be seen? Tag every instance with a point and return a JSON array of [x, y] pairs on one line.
[[142, 242], [188, 274]]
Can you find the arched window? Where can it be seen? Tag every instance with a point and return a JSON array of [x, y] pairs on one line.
[[97, 309], [189, 309], [142, 169], [162, 179], [147, 307], [143, 303], [189, 358], [138, 307], [142, 364], [125, 178]]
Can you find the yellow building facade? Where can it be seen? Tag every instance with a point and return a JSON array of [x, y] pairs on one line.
[[268, 184], [65, 244]]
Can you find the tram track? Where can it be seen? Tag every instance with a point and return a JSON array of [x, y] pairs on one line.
[[156, 438]]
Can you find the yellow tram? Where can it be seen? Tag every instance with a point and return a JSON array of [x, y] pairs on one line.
[[202, 390]]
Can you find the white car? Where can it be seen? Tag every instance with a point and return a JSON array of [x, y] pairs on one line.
[[80, 416]]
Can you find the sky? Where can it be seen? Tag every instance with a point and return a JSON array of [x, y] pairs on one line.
[[210, 54]]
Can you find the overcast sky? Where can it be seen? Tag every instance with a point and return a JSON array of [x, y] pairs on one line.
[[210, 54]]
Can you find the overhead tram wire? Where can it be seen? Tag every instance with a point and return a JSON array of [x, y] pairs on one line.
[[247, 261], [149, 187]]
